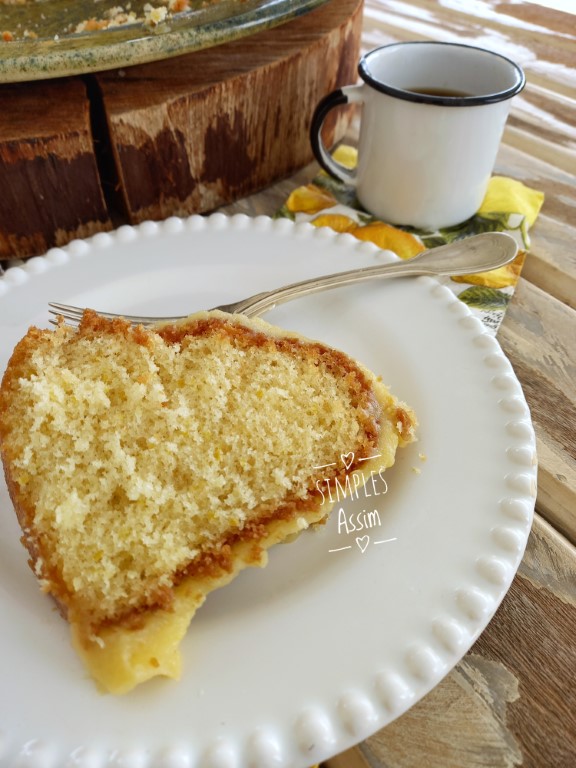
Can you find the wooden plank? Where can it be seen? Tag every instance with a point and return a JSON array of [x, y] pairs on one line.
[[511, 700], [49, 180], [539, 336], [352, 758], [552, 263], [196, 132], [532, 636]]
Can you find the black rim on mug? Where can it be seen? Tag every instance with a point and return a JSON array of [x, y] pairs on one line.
[[451, 101]]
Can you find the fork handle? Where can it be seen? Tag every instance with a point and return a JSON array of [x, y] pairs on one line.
[[263, 302], [476, 254]]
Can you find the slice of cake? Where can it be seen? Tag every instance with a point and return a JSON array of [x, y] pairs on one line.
[[148, 467]]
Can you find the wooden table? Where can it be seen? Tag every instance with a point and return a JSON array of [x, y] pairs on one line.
[[512, 699]]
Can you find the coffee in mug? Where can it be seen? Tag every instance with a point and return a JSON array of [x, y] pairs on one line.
[[432, 120]]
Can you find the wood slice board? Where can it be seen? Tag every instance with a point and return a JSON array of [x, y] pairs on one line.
[[175, 137], [50, 189]]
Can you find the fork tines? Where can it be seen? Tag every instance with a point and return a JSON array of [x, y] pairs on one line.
[[72, 315]]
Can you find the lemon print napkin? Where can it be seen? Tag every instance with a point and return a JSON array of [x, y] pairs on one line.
[[509, 206]]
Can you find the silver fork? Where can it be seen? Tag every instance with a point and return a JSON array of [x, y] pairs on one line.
[[480, 253]]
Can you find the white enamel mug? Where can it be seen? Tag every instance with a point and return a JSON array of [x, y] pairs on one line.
[[432, 120]]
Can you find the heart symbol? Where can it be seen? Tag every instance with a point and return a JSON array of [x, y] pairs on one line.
[[363, 542], [347, 459]]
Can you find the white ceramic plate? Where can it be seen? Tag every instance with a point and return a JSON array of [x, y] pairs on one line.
[[295, 663]]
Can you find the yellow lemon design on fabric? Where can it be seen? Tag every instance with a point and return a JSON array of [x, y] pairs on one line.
[[389, 238], [497, 278], [346, 156], [310, 199], [336, 221], [510, 196]]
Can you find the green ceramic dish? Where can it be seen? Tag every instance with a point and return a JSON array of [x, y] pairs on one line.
[[45, 44]]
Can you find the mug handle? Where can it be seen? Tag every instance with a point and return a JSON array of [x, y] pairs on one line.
[[349, 94]]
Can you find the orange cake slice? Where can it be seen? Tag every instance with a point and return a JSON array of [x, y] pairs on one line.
[[149, 466]]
